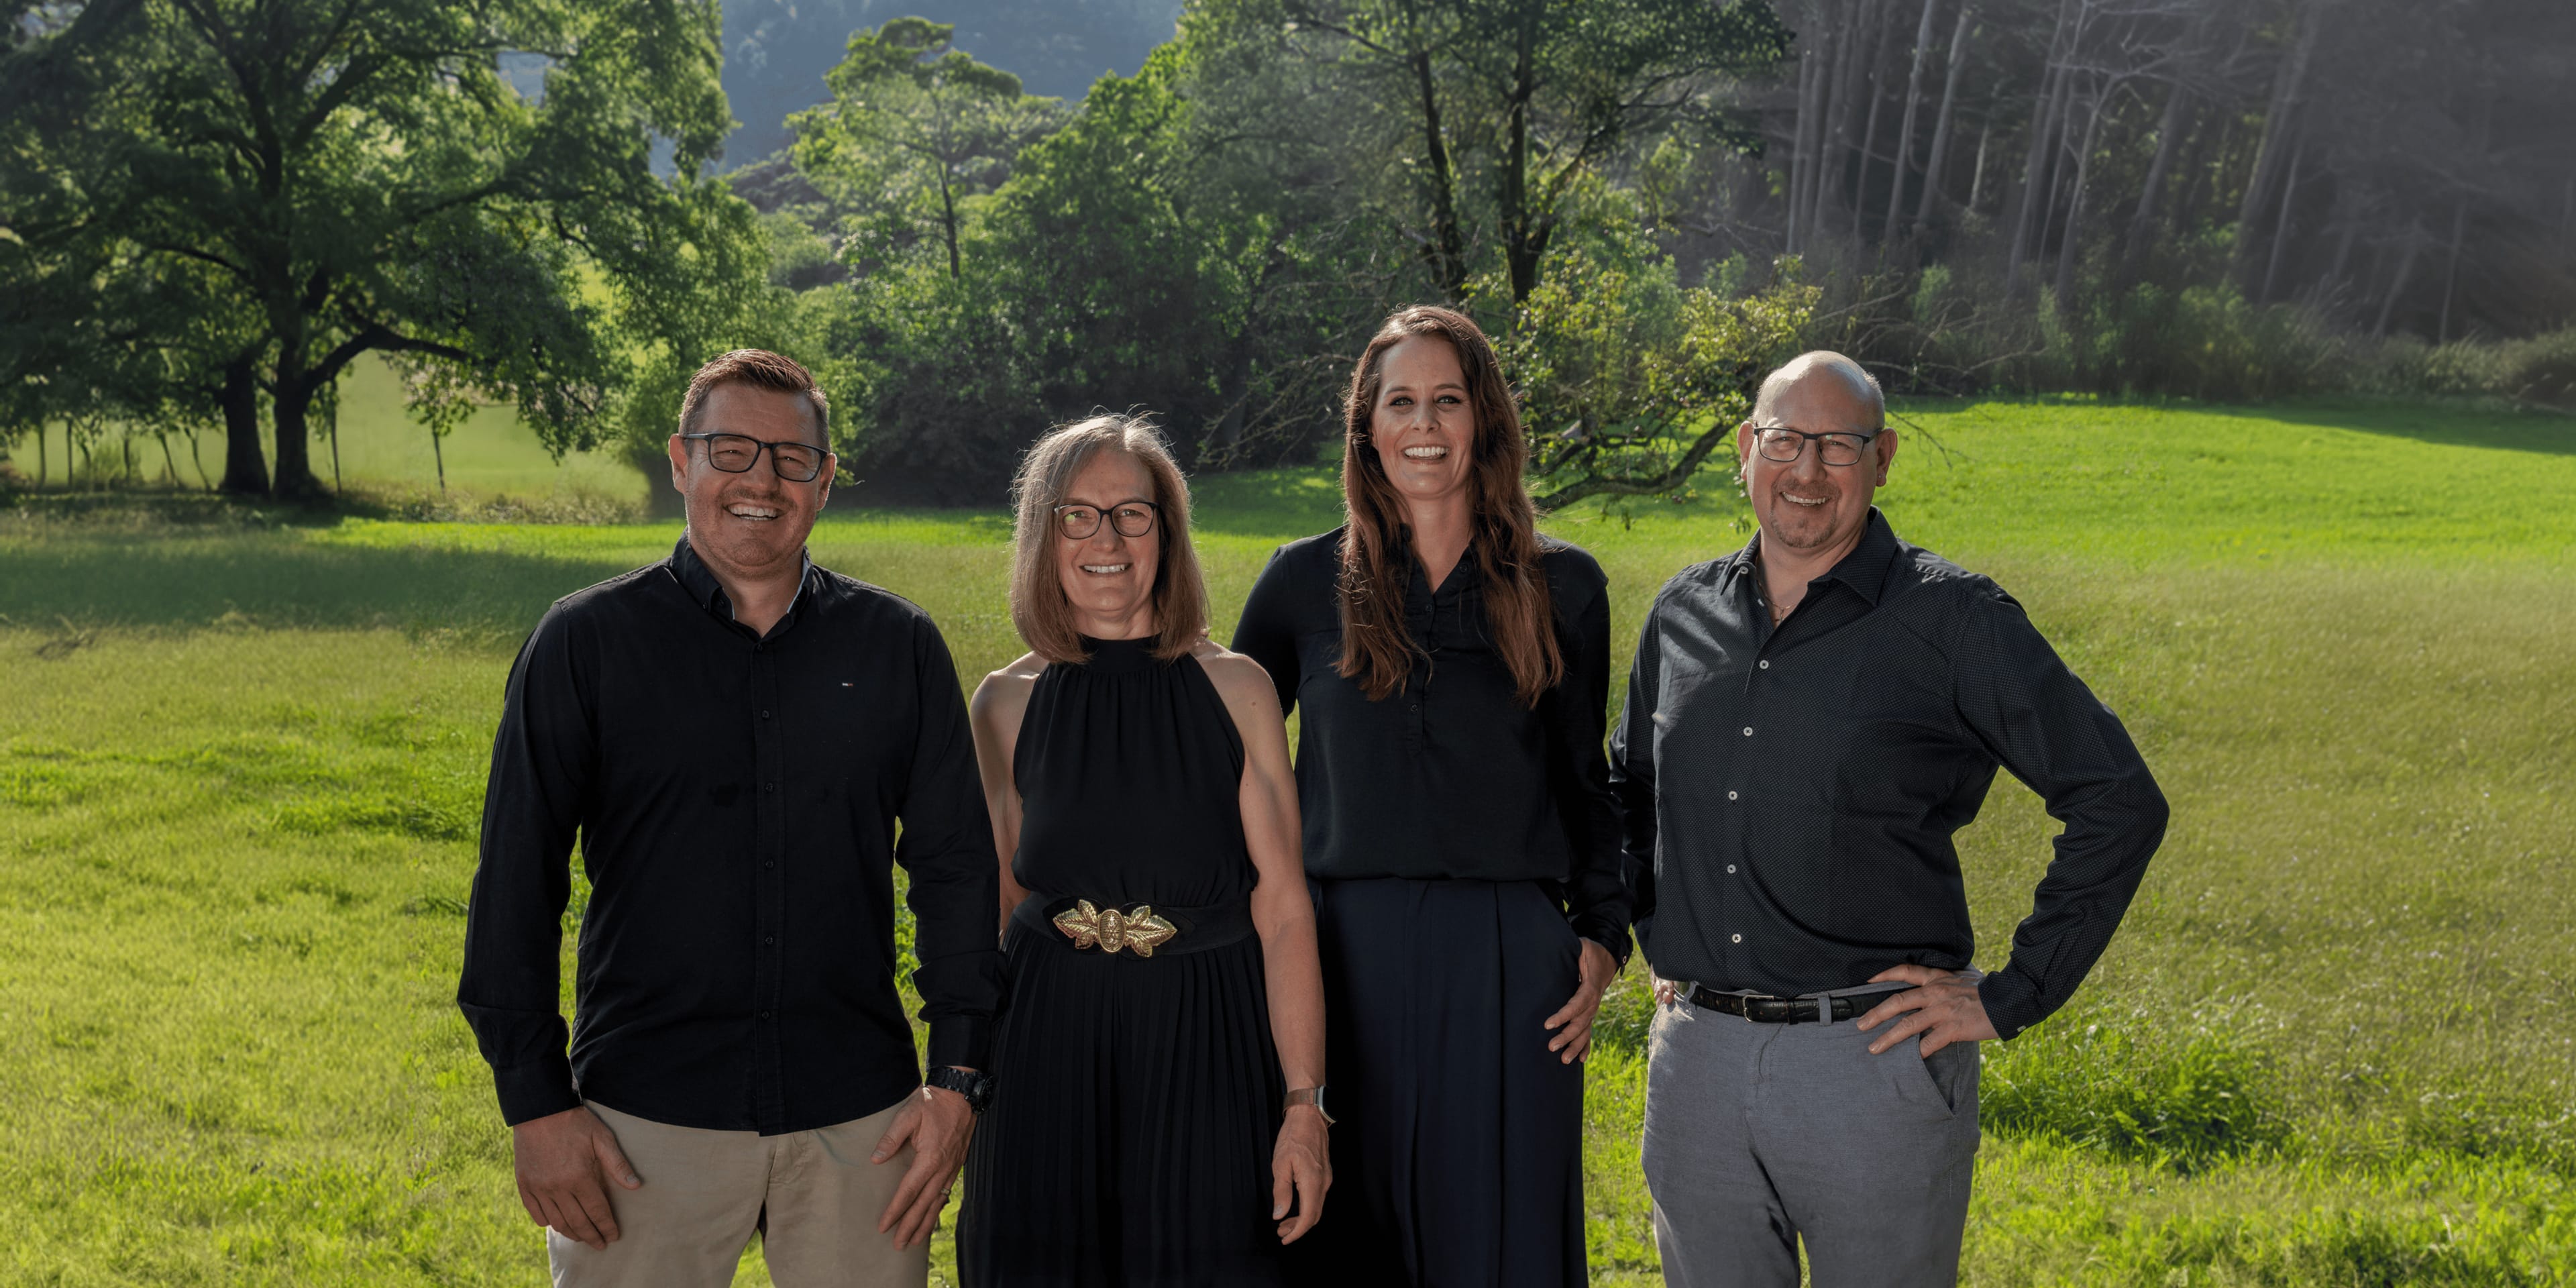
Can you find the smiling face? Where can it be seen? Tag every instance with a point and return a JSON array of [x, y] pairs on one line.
[[1108, 576], [752, 523], [1806, 505], [1422, 426]]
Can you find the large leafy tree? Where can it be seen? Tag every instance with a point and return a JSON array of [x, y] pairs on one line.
[[1506, 106], [340, 177], [915, 128]]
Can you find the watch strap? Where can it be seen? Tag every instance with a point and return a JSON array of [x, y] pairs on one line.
[[1309, 1096]]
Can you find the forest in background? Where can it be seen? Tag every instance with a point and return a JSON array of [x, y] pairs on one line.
[[212, 208]]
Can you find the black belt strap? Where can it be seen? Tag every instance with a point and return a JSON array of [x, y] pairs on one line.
[[1202, 928], [1787, 1010]]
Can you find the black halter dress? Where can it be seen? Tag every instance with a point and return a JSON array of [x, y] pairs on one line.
[[1138, 1098]]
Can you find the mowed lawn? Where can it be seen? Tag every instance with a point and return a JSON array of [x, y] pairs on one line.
[[241, 764]]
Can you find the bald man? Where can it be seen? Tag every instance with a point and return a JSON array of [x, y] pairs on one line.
[[1809, 721]]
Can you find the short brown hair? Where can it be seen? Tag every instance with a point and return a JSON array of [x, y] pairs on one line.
[[1039, 608], [1377, 648], [761, 369]]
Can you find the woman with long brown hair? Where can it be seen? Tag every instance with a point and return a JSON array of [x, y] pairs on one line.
[[1459, 826]]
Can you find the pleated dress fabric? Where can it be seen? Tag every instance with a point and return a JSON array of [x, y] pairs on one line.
[[1137, 1100]]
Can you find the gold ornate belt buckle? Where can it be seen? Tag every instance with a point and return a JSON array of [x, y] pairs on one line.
[[1112, 930]]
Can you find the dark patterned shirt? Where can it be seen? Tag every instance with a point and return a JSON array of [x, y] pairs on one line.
[[1791, 794], [736, 797]]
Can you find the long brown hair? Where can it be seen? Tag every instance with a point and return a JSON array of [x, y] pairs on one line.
[[1038, 606], [1377, 650]]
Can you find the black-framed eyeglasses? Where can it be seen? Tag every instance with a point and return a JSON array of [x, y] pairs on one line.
[[1785, 445], [737, 453], [1127, 518]]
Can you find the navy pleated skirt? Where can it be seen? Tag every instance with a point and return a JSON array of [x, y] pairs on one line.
[[1458, 1154]]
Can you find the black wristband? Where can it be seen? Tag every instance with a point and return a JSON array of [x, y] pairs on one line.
[[976, 1087]]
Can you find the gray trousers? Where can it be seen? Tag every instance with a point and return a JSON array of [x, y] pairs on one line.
[[1760, 1135]]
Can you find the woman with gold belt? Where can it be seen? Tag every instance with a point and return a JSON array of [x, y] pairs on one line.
[[1453, 665], [1157, 1111]]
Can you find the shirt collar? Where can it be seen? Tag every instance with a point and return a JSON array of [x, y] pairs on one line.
[[708, 593], [1864, 570]]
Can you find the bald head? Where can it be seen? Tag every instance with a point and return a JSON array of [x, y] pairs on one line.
[[1854, 382]]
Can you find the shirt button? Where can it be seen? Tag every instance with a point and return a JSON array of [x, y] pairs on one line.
[[764, 1016], [769, 939], [1737, 938], [764, 715], [1730, 867], [771, 787], [1748, 731], [1730, 796], [1765, 664], [770, 864]]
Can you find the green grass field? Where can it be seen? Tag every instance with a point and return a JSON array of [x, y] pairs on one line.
[[241, 762]]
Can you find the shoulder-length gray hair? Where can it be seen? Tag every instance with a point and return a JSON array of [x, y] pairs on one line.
[[1039, 608]]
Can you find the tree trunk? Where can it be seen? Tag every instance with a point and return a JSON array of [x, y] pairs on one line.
[[2168, 137], [1905, 129], [1802, 146], [1829, 156], [1875, 60], [2405, 269], [290, 409], [1977, 176], [2278, 119], [2281, 225], [2043, 113], [245, 471], [947, 225], [1448, 251], [2067, 241], [1524, 236], [1941, 123], [2451, 280]]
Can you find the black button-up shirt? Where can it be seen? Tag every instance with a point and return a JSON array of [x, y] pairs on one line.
[[736, 799], [1791, 794], [1451, 776]]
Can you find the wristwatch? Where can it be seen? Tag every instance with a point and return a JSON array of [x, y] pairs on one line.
[[1309, 1096], [976, 1087]]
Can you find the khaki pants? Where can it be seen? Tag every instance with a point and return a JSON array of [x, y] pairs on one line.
[[703, 1194]]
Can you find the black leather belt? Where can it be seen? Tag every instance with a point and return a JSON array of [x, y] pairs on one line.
[[1760, 1009]]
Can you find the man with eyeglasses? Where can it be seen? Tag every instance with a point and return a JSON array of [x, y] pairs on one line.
[[1809, 721], [733, 734]]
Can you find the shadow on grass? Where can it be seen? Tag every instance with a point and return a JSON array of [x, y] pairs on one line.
[[2450, 425], [284, 582]]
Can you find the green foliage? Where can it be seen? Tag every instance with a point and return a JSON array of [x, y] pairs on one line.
[[320, 181], [915, 132], [1631, 382], [2183, 1105]]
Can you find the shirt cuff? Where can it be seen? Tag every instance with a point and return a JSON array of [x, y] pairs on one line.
[[2012, 1002], [962, 1042], [1609, 934], [533, 1090]]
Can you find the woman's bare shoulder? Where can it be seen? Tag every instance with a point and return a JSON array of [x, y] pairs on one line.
[[1006, 692], [1237, 678]]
